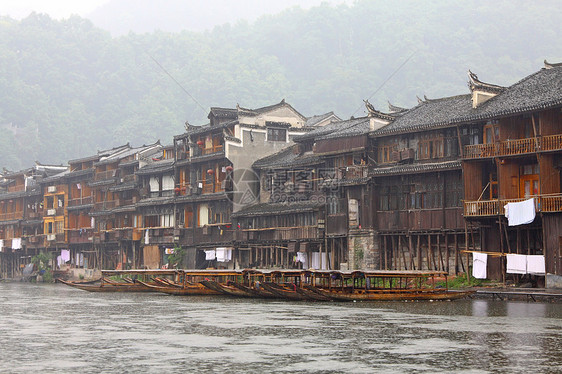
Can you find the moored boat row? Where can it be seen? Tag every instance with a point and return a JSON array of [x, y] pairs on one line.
[[302, 285]]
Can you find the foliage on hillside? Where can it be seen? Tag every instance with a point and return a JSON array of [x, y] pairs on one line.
[[68, 88]]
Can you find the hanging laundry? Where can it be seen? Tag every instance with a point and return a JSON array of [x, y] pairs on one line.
[[224, 254], [520, 213], [16, 243], [301, 257], [65, 255], [210, 254], [1, 245], [146, 237], [479, 263], [516, 264], [536, 265]]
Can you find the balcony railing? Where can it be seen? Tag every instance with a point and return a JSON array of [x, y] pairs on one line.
[[105, 205], [103, 175], [210, 150], [514, 147], [80, 201], [483, 208], [11, 216]]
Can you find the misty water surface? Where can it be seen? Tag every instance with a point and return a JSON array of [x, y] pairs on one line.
[[55, 328]]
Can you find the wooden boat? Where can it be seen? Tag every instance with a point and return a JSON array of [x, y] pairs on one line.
[[284, 292], [181, 291], [226, 288], [381, 286], [256, 289], [108, 287]]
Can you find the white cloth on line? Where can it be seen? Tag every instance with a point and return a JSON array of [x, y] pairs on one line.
[[301, 257], [536, 264], [1, 245], [516, 264], [16, 243], [65, 255], [520, 213], [224, 254], [315, 260], [479, 263], [146, 237], [210, 254]]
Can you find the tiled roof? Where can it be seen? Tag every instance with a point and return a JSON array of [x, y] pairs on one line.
[[285, 158], [79, 173], [415, 168], [352, 127], [338, 128], [157, 167], [537, 91], [540, 90], [430, 113], [278, 208], [314, 120]]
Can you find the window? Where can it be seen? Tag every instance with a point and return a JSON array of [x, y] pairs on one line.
[[491, 133], [276, 134], [430, 148], [385, 153]]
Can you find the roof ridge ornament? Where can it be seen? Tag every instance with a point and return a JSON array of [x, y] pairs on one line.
[[394, 108], [549, 65]]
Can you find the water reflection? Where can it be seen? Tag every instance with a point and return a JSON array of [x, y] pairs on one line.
[[57, 328]]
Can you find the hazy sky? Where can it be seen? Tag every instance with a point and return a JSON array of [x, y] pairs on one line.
[[55, 8], [64, 8]]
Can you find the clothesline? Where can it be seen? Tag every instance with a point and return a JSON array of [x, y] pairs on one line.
[[496, 254]]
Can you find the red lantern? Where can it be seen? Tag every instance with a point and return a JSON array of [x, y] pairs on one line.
[[229, 169], [177, 189], [200, 143], [210, 172]]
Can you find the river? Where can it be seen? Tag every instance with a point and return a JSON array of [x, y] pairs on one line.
[[55, 328]]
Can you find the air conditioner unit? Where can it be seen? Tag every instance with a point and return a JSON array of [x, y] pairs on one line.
[[51, 212], [52, 189], [51, 237]]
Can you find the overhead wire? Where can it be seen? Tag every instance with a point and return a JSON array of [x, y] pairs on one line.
[[387, 79]]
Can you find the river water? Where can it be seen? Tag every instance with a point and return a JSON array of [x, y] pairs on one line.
[[55, 328]]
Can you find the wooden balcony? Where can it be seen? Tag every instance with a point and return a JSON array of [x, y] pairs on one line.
[[16, 188], [486, 208], [104, 175], [421, 219], [11, 216], [211, 150], [79, 236], [105, 205], [353, 172], [278, 234], [81, 201], [514, 147]]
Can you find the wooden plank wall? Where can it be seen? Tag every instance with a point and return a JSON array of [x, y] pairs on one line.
[[550, 122], [508, 180], [552, 226], [473, 178]]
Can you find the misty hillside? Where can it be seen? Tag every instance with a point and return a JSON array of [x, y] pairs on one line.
[[68, 88], [141, 16]]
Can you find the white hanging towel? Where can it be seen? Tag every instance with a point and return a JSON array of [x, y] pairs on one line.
[[520, 213], [315, 260], [516, 264], [146, 237], [210, 254], [479, 263], [535, 265], [16, 243], [1, 245], [221, 255], [301, 257], [65, 255]]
